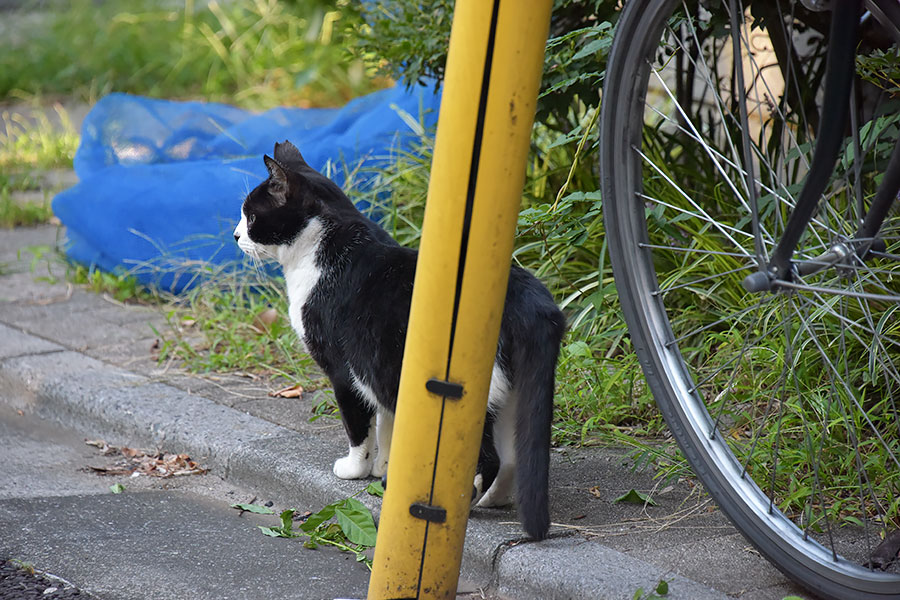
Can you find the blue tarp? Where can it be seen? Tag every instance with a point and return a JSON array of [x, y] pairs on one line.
[[161, 182]]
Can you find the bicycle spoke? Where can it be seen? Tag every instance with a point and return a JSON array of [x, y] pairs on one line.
[[693, 250], [699, 215], [695, 282], [725, 319], [687, 197], [822, 290], [728, 363]]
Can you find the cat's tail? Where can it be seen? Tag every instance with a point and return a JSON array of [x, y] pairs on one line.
[[534, 362]]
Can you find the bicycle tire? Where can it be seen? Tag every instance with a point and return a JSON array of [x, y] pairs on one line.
[[683, 360]]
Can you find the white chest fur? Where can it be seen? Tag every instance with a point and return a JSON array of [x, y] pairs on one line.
[[301, 272]]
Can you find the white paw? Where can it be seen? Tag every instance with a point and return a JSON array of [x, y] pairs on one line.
[[494, 500], [478, 492], [379, 467], [352, 467], [499, 494]]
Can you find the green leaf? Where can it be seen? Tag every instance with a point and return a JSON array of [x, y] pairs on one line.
[[579, 348], [662, 588], [317, 518], [854, 520], [333, 532], [593, 47], [375, 489], [254, 508], [272, 531], [117, 488], [636, 497], [287, 521], [356, 522], [582, 196]]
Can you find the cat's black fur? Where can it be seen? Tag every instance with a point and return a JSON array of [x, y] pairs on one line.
[[354, 319]]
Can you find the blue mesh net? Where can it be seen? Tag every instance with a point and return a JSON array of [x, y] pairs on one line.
[[161, 182]]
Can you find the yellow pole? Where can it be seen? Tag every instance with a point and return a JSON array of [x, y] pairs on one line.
[[490, 91]]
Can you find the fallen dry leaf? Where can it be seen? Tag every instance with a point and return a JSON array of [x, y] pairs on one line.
[[596, 492], [102, 446], [155, 464], [294, 391]]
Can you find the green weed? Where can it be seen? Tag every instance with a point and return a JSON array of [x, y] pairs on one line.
[[15, 213], [24, 565], [31, 140], [121, 286], [346, 524], [46, 263], [659, 592]]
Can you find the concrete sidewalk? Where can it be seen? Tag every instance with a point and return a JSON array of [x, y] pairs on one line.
[[87, 362]]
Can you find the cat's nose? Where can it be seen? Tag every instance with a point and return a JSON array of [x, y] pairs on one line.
[[237, 237]]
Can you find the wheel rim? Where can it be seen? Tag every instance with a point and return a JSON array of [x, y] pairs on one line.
[[792, 395]]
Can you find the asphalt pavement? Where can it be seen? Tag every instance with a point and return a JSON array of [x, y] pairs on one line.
[[167, 539], [76, 365]]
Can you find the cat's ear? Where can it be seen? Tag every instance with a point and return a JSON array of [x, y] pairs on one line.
[[278, 179], [286, 152]]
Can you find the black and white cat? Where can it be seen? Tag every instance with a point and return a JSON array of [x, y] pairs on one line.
[[349, 287]]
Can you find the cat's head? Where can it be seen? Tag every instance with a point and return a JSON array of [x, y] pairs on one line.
[[280, 208]]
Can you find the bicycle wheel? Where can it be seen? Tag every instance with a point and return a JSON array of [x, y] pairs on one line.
[[784, 402]]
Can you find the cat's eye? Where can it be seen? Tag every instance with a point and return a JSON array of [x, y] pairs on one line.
[[250, 220]]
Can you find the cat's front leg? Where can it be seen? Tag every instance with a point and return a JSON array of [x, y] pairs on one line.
[[358, 462], [359, 423], [384, 429]]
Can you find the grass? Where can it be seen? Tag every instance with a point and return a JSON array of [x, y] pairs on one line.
[[236, 323], [254, 53], [601, 396], [14, 213], [30, 139], [260, 53], [122, 287]]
